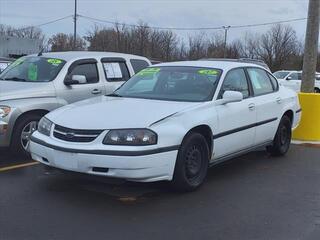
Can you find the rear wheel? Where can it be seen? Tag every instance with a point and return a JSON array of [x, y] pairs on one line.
[[316, 90], [282, 140], [22, 133], [192, 163]]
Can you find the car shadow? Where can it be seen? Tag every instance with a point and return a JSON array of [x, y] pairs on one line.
[[131, 192]]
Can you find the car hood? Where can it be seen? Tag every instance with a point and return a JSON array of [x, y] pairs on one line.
[[115, 112], [10, 90]]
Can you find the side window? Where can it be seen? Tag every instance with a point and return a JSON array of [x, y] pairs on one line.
[[89, 70], [116, 71], [274, 82], [235, 80], [138, 65], [261, 83]]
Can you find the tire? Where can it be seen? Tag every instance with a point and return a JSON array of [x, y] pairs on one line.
[[316, 90], [192, 163], [282, 140], [24, 124]]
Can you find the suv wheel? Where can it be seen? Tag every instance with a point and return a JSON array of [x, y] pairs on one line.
[[192, 163], [282, 140], [22, 133]]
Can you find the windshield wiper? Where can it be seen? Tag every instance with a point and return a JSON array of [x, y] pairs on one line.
[[113, 95], [15, 79]]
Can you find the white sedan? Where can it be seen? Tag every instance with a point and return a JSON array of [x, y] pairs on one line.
[[292, 79], [171, 122]]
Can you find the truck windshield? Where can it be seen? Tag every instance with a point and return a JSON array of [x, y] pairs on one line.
[[33, 69], [280, 74], [189, 84]]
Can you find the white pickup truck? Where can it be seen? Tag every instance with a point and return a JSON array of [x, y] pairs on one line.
[[34, 85]]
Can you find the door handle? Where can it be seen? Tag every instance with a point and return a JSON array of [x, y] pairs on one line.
[[279, 100], [96, 91], [251, 106]]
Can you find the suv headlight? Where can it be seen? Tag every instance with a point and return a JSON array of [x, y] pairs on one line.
[[4, 111], [131, 137], [44, 126]]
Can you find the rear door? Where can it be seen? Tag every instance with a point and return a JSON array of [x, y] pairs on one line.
[[236, 120], [76, 92], [116, 72], [268, 103]]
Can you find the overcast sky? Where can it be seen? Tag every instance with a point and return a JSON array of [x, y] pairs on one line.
[[162, 13]]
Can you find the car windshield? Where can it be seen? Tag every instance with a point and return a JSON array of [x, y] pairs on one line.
[[190, 84], [32, 69], [281, 74]]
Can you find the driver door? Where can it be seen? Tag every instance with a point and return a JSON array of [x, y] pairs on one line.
[[77, 92], [236, 128]]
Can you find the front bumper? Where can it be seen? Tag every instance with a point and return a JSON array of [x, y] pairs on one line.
[[133, 167], [4, 134]]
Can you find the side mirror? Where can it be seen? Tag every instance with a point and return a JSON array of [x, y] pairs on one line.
[[75, 79], [232, 96], [289, 78]]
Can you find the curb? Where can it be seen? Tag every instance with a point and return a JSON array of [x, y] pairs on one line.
[[315, 144]]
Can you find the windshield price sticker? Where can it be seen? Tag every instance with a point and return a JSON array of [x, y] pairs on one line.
[[208, 72], [33, 72], [148, 71], [55, 62]]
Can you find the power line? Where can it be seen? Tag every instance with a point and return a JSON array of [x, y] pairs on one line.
[[46, 23], [192, 28]]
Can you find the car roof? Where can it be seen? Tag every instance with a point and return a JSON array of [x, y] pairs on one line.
[[224, 65], [73, 55]]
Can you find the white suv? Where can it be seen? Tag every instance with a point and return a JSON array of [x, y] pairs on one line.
[[292, 79], [171, 122]]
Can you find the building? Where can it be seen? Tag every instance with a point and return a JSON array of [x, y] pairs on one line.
[[15, 47]]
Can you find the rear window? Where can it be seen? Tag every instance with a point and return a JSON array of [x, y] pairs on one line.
[[138, 65]]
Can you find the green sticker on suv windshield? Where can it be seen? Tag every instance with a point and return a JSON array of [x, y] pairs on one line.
[[17, 62], [54, 61], [33, 72], [208, 72], [148, 71]]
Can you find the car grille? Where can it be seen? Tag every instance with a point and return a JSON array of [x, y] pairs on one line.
[[75, 135]]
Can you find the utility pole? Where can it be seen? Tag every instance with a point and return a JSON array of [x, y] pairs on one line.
[[311, 47], [226, 29], [75, 26]]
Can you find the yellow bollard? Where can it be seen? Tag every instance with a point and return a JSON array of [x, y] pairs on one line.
[[309, 127]]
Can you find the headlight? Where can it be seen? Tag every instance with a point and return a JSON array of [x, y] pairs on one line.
[[44, 126], [131, 137], [4, 111]]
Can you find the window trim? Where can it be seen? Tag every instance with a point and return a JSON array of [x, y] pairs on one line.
[[258, 95], [276, 80], [115, 60], [83, 62], [247, 79]]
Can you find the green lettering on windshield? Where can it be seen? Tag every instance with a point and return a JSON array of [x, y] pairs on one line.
[[208, 72], [148, 71], [55, 62], [33, 72]]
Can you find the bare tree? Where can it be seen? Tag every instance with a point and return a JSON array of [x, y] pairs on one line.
[[64, 42]]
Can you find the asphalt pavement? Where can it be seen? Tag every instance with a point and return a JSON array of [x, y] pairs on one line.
[[252, 197]]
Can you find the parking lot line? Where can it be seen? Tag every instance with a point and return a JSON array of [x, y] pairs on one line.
[[18, 166]]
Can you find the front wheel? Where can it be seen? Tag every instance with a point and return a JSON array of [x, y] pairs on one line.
[[22, 133], [282, 140], [192, 163]]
